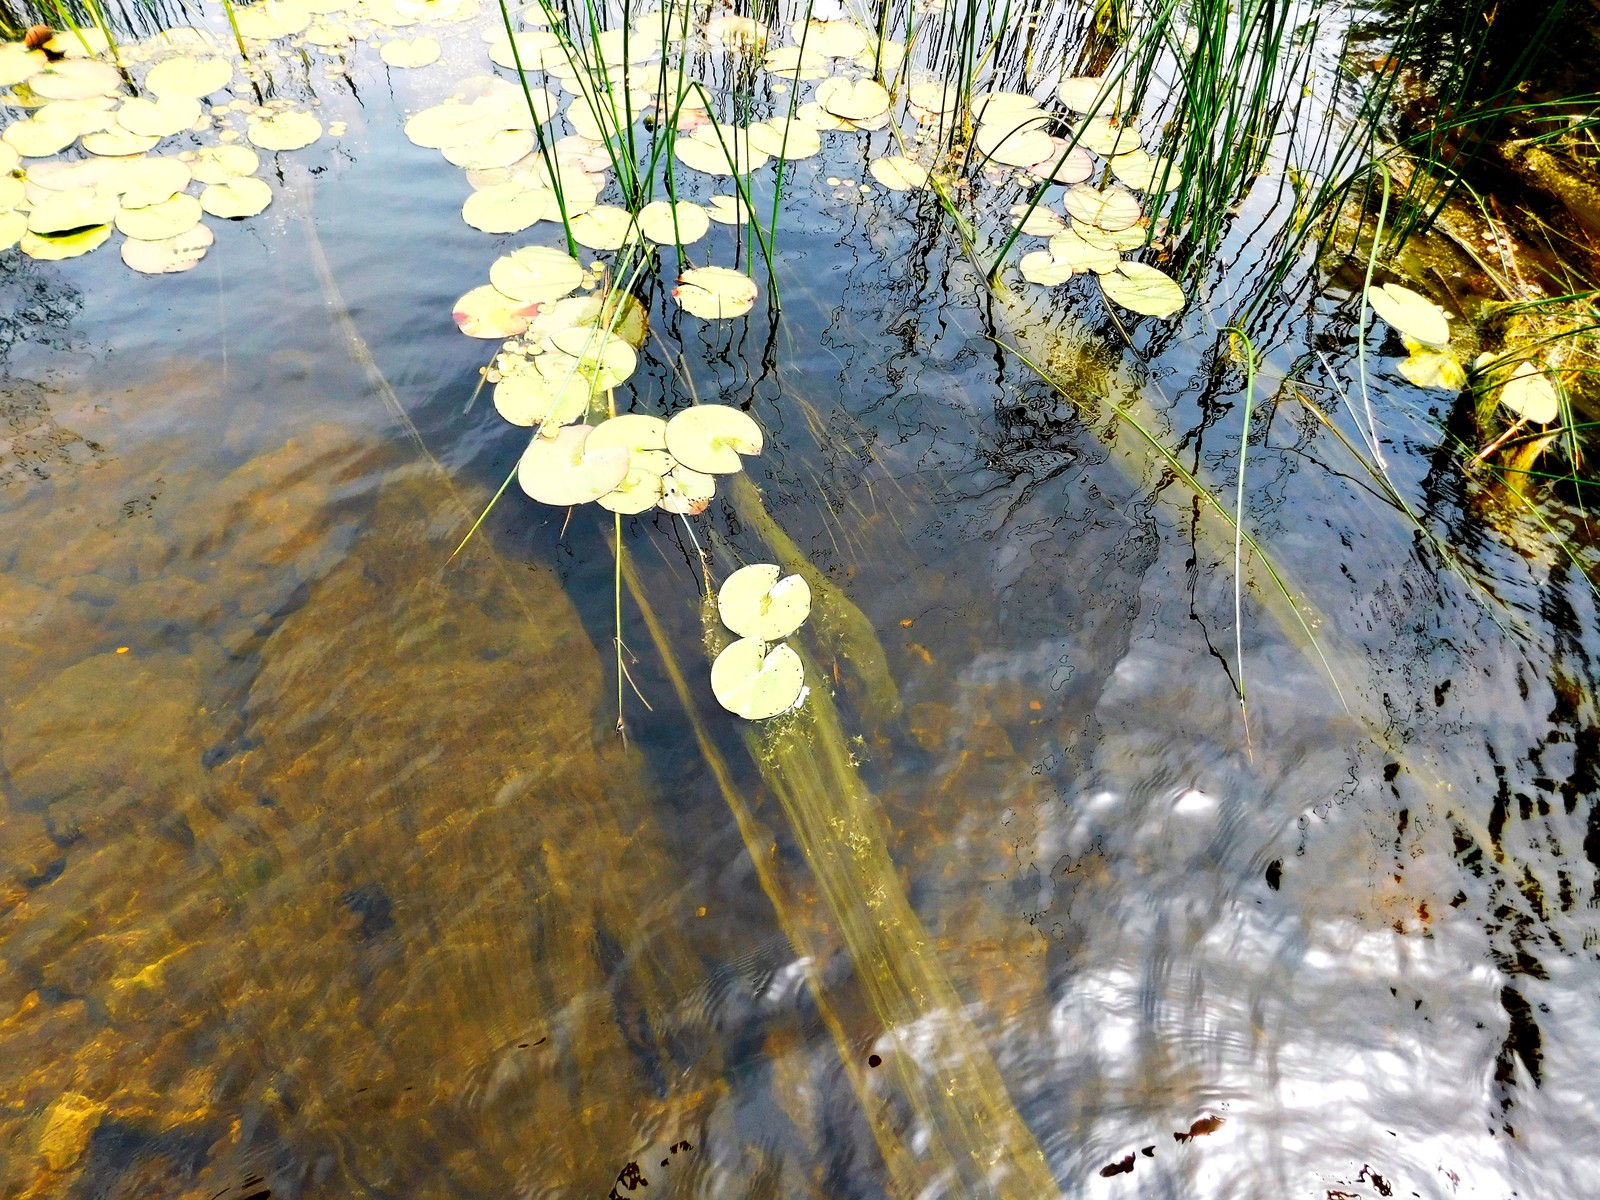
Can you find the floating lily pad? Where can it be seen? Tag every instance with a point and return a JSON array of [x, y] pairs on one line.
[[158, 222], [159, 118], [236, 198], [284, 131], [668, 224], [1039, 221], [790, 62], [18, 64], [145, 181], [33, 138], [9, 158], [898, 173], [76, 79], [639, 491], [1432, 368], [485, 312], [508, 207], [1012, 145], [715, 292], [536, 49], [168, 256], [1042, 268], [13, 225], [419, 52], [558, 470], [1106, 137], [832, 39], [1092, 93], [12, 192], [1145, 173], [639, 434], [1068, 247], [1130, 238], [1529, 395], [54, 248], [709, 438], [536, 274], [790, 140], [603, 227], [1012, 109], [759, 601], [605, 359], [219, 164], [1063, 166], [934, 98], [1144, 289], [728, 210], [703, 151], [853, 99], [271, 19], [118, 142], [189, 75], [685, 492], [1111, 209], [495, 148], [755, 683], [1413, 315], [444, 125], [532, 396], [76, 208]]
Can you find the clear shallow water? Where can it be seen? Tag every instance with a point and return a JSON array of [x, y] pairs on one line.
[[322, 872]]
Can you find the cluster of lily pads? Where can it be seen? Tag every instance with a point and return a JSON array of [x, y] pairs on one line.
[[1424, 329], [143, 113], [760, 675]]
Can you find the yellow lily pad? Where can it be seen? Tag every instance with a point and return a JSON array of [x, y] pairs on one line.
[[1530, 395], [157, 222], [1413, 315], [1111, 209], [1041, 267], [536, 274], [852, 99], [1144, 289], [49, 248], [159, 118], [419, 52], [759, 601], [284, 131], [118, 142], [668, 224], [686, 492], [76, 208], [236, 198], [898, 173], [756, 683], [715, 292], [219, 164], [485, 312], [710, 438], [508, 207], [558, 470], [189, 75], [168, 256]]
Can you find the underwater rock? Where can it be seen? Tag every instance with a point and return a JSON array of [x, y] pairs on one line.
[[67, 1130]]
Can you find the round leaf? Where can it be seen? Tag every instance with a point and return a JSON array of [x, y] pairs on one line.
[[669, 224], [536, 274], [485, 312], [189, 75], [710, 438], [754, 683], [759, 601], [898, 173], [237, 198], [157, 222], [558, 471], [159, 118], [1413, 315], [284, 131], [1144, 289], [1112, 209], [1529, 394], [168, 255], [715, 292]]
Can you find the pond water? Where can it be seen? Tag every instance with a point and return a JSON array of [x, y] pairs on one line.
[[324, 872]]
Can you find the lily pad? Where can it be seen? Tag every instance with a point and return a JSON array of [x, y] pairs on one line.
[[271, 19], [13, 225], [703, 151], [640, 434], [76, 208], [219, 164], [715, 292], [1413, 315], [189, 75], [76, 79], [759, 601], [1069, 247], [420, 52], [1145, 173], [157, 222], [606, 360], [639, 491], [668, 224], [1105, 137], [898, 173], [755, 683], [728, 210], [1432, 368], [118, 142], [832, 39], [159, 118], [853, 99], [18, 64], [1530, 396], [685, 492], [558, 470], [536, 274], [490, 149], [1144, 289], [1111, 209], [168, 256], [486, 312], [1092, 93], [1042, 268], [934, 98], [710, 438], [530, 395], [791, 62], [603, 227], [1012, 145], [32, 138], [1040, 221], [1063, 166], [54, 248], [236, 198], [284, 131], [145, 181], [790, 140], [508, 207]]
